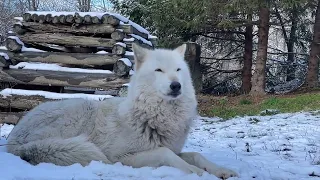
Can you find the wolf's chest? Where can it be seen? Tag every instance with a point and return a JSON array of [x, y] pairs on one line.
[[163, 130]]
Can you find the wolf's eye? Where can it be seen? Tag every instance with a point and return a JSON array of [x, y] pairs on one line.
[[178, 69], [158, 70]]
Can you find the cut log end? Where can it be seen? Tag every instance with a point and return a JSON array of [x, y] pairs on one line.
[[27, 17], [95, 20], [35, 17], [117, 35], [55, 20], [69, 19], [113, 20], [77, 18], [118, 50], [17, 28], [42, 18], [87, 19], [48, 18], [62, 19], [104, 19], [121, 69], [4, 63], [13, 45]]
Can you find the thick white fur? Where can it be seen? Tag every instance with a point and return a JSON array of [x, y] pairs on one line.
[[147, 128]]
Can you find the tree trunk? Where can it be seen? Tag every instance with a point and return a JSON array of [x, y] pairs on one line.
[[192, 56], [313, 64], [259, 76], [247, 62], [290, 46]]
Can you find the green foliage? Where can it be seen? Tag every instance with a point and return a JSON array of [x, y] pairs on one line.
[[172, 21], [245, 101]]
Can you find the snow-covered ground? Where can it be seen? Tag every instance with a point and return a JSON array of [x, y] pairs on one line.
[[278, 147]]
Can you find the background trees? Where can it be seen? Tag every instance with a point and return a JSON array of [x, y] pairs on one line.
[[248, 46]]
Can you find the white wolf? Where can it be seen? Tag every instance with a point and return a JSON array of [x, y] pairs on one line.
[[147, 128]]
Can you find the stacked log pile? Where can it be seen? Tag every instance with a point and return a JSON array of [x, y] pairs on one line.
[[87, 40], [86, 51]]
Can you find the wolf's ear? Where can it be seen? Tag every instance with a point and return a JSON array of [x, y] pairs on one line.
[[139, 54], [181, 49]]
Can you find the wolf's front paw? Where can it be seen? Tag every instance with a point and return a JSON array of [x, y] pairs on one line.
[[224, 173], [194, 169]]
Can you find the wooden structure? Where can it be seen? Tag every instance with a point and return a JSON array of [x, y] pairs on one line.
[[87, 51]]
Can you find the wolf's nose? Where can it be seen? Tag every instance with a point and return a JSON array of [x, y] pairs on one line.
[[175, 86]]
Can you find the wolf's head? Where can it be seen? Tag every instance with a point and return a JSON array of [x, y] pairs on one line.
[[163, 72]]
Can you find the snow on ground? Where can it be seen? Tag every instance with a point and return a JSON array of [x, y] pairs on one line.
[[51, 95], [278, 147], [55, 67]]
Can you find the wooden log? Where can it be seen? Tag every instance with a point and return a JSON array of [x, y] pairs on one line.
[[42, 18], [67, 39], [154, 41], [13, 45], [55, 20], [48, 28], [5, 62], [122, 68], [113, 20], [78, 19], [104, 18], [128, 29], [117, 35], [98, 91], [60, 78], [62, 19], [63, 58], [129, 44], [95, 20], [69, 19], [35, 17], [78, 49], [48, 18], [27, 17], [11, 117], [87, 19], [47, 47], [21, 102], [118, 50]]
